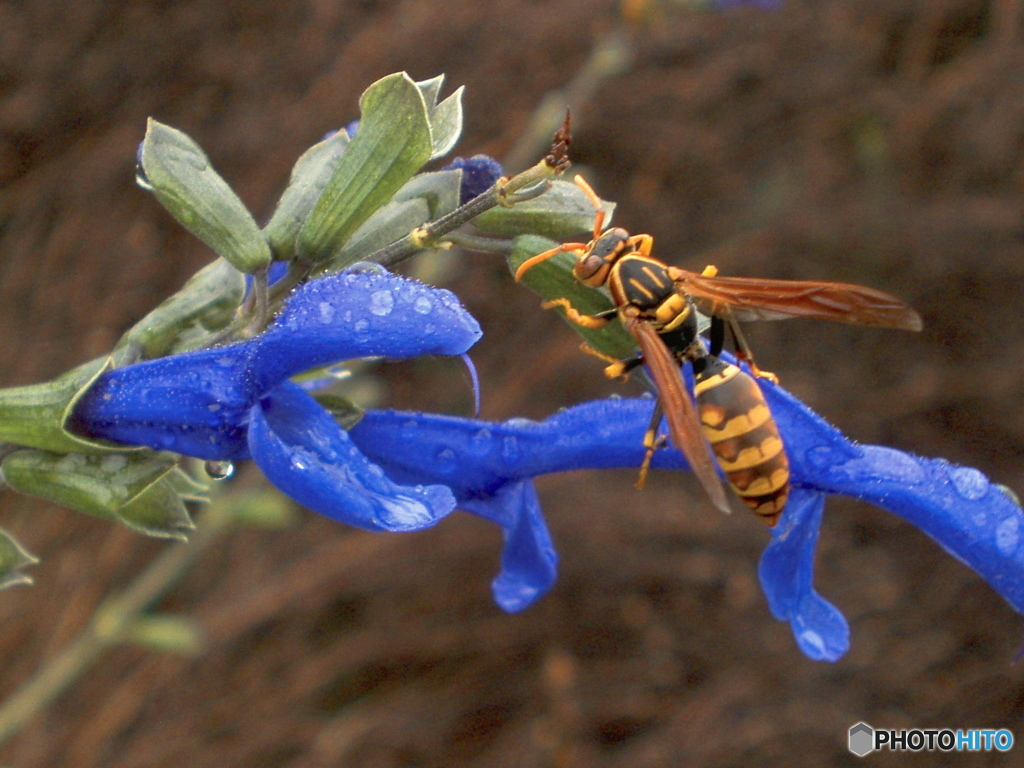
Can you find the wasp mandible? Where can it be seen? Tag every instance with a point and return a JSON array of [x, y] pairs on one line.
[[658, 305]]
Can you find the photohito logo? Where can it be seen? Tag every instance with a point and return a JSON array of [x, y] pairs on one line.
[[864, 739]]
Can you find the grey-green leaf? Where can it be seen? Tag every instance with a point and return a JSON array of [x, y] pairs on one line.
[[445, 117], [561, 213], [130, 488], [206, 303], [427, 196], [310, 175], [392, 144], [13, 557], [181, 177]]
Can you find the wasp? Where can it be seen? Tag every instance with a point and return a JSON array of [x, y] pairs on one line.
[[727, 421]]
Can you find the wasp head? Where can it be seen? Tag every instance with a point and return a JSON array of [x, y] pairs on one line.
[[597, 258]]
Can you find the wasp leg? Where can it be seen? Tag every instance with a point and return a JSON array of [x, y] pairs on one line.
[[600, 320], [743, 353], [652, 442], [616, 368], [641, 243]]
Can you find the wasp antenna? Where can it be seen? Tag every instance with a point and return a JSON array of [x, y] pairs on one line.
[[558, 157], [533, 261], [596, 201], [475, 380]]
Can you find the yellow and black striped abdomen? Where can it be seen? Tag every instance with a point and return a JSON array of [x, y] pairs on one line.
[[744, 437]]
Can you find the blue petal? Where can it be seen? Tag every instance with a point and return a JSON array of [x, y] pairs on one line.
[[360, 314], [476, 457], [972, 519], [786, 572], [196, 404], [528, 562], [307, 456]]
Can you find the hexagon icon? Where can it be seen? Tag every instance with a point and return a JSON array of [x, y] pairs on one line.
[[862, 739]]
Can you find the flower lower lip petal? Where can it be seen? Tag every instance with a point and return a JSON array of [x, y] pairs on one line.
[[303, 452]]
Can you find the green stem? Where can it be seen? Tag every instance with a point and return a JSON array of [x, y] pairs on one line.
[[107, 628]]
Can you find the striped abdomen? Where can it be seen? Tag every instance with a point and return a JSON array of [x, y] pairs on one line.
[[744, 437]]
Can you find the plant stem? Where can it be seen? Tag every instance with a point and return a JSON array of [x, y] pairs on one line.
[[109, 624]]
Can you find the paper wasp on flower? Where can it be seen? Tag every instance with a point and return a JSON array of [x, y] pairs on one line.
[[658, 305]]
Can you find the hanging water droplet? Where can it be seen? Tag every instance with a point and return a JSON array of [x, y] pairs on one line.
[[141, 179], [381, 303], [219, 470]]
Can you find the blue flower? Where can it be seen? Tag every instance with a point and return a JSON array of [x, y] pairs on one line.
[[490, 466], [479, 173], [235, 402]]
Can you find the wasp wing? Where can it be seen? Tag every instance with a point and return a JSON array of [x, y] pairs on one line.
[[751, 298], [683, 421]]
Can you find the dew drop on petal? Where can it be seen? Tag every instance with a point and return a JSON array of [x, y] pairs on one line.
[[1008, 535], [326, 310], [381, 303], [480, 443], [361, 325], [969, 483], [812, 640], [446, 462], [423, 305], [429, 329], [510, 450], [219, 470]]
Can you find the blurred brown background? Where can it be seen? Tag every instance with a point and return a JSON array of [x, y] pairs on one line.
[[879, 142]]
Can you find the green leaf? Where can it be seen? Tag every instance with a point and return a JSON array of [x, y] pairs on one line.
[[206, 303], [181, 177], [425, 197], [561, 213], [553, 279], [34, 416], [14, 557], [392, 144], [133, 489], [445, 118], [166, 634], [310, 175]]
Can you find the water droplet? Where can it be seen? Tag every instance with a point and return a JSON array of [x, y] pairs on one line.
[[219, 470], [141, 180], [814, 641], [213, 407], [429, 329], [1008, 493], [481, 442], [367, 267], [361, 325], [409, 429], [446, 462], [423, 305], [381, 303], [1008, 535], [326, 310], [969, 483], [510, 450]]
